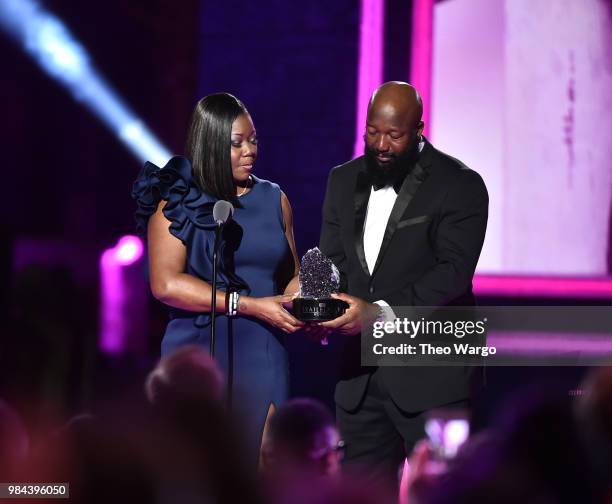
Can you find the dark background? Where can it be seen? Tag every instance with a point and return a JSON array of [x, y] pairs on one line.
[[295, 68]]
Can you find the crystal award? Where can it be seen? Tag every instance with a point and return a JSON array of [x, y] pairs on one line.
[[319, 278]]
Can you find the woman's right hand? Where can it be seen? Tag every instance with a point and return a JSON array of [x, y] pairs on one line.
[[271, 310]]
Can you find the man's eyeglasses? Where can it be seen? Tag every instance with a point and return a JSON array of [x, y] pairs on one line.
[[339, 448]]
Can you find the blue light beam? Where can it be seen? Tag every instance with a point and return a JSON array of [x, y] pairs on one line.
[[47, 40]]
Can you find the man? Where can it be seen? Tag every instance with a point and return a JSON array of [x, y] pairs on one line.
[[302, 441], [405, 224], [187, 374], [301, 453]]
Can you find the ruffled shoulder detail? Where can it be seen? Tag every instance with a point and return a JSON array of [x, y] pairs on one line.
[[190, 212], [187, 206]]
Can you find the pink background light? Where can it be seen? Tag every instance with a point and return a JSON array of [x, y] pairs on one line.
[[522, 93], [467, 101], [111, 300], [547, 287], [128, 250], [370, 65], [123, 294], [421, 53], [553, 345]]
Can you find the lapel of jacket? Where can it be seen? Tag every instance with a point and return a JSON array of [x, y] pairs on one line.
[[362, 195], [404, 197]]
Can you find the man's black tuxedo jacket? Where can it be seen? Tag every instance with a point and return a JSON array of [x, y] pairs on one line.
[[427, 258]]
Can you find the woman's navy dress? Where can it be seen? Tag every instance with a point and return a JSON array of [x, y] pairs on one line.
[[255, 259]]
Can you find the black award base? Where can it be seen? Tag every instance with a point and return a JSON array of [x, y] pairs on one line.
[[318, 310]]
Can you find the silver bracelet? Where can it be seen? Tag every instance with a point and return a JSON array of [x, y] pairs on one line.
[[235, 305], [232, 309], [229, 295]]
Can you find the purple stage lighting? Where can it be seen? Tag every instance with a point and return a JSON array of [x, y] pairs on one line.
[[421, 53], [122, 297], [370, 69], [543, 287], [129, 249]]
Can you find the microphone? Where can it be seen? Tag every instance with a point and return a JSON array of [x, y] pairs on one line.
[[222, 212]]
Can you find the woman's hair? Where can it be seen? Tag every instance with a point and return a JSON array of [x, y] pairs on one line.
[[209, 144]]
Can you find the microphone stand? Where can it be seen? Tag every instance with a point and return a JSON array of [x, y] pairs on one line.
[[213, 304]]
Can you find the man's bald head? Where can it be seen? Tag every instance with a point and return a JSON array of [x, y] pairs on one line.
[[394, 125], [398, 100]]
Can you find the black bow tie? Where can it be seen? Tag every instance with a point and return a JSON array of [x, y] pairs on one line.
[[382, 179]]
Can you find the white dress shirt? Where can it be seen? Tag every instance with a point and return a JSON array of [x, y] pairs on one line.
[[377, 216], [380, 205], [379, 209]]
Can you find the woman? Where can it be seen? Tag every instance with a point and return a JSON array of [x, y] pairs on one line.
[[258, 259]]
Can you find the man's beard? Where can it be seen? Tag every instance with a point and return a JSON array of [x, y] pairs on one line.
[[400, 165]]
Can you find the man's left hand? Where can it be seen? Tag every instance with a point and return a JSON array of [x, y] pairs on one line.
[[359, 314]]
